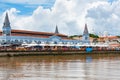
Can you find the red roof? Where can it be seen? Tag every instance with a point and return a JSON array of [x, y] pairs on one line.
[[34, 33], [110, 37]]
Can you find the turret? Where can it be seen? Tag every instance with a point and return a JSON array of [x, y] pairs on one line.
[[6, 29]]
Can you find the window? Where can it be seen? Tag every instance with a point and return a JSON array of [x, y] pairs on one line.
[[86, 38], [16, 41], [55, 42]]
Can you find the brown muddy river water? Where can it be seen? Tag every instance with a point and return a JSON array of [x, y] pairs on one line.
[[70, 67]]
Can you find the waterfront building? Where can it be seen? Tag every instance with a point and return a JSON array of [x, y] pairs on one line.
[[24, 38], [9, 36], [45, 40], [113, 40]]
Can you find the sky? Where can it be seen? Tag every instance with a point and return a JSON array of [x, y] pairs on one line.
[[101, 16]]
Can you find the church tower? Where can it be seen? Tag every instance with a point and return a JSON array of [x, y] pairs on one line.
[[6, 29], [85, 36]]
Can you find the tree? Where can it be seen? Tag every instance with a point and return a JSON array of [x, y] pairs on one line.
[[93, 35], [74, 36]]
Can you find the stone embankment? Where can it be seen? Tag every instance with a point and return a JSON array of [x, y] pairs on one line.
[[69, 52]]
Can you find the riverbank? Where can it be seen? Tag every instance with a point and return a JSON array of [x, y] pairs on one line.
[[58, 52]]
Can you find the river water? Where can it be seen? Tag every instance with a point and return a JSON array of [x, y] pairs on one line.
[[71, 67]]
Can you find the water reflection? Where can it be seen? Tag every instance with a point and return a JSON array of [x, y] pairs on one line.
[[77, 67]]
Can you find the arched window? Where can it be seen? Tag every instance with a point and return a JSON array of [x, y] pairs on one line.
[[39, 42], [86, 38], [55, 42], [3, 40], [16, 41]]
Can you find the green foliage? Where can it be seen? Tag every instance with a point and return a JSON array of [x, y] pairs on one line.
[[74, 36], [93, 36], [118, 36]]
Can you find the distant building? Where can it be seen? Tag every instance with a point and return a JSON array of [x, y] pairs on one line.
[[107, 38]]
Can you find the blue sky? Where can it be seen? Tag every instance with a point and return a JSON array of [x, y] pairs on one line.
[[25, 7], [69, 15], [112, 0]]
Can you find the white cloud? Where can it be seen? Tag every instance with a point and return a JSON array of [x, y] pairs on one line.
[[106, 17], [70, 16]]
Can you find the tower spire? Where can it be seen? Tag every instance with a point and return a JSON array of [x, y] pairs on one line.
[[6, 21], [56, 30], [85, 30]]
